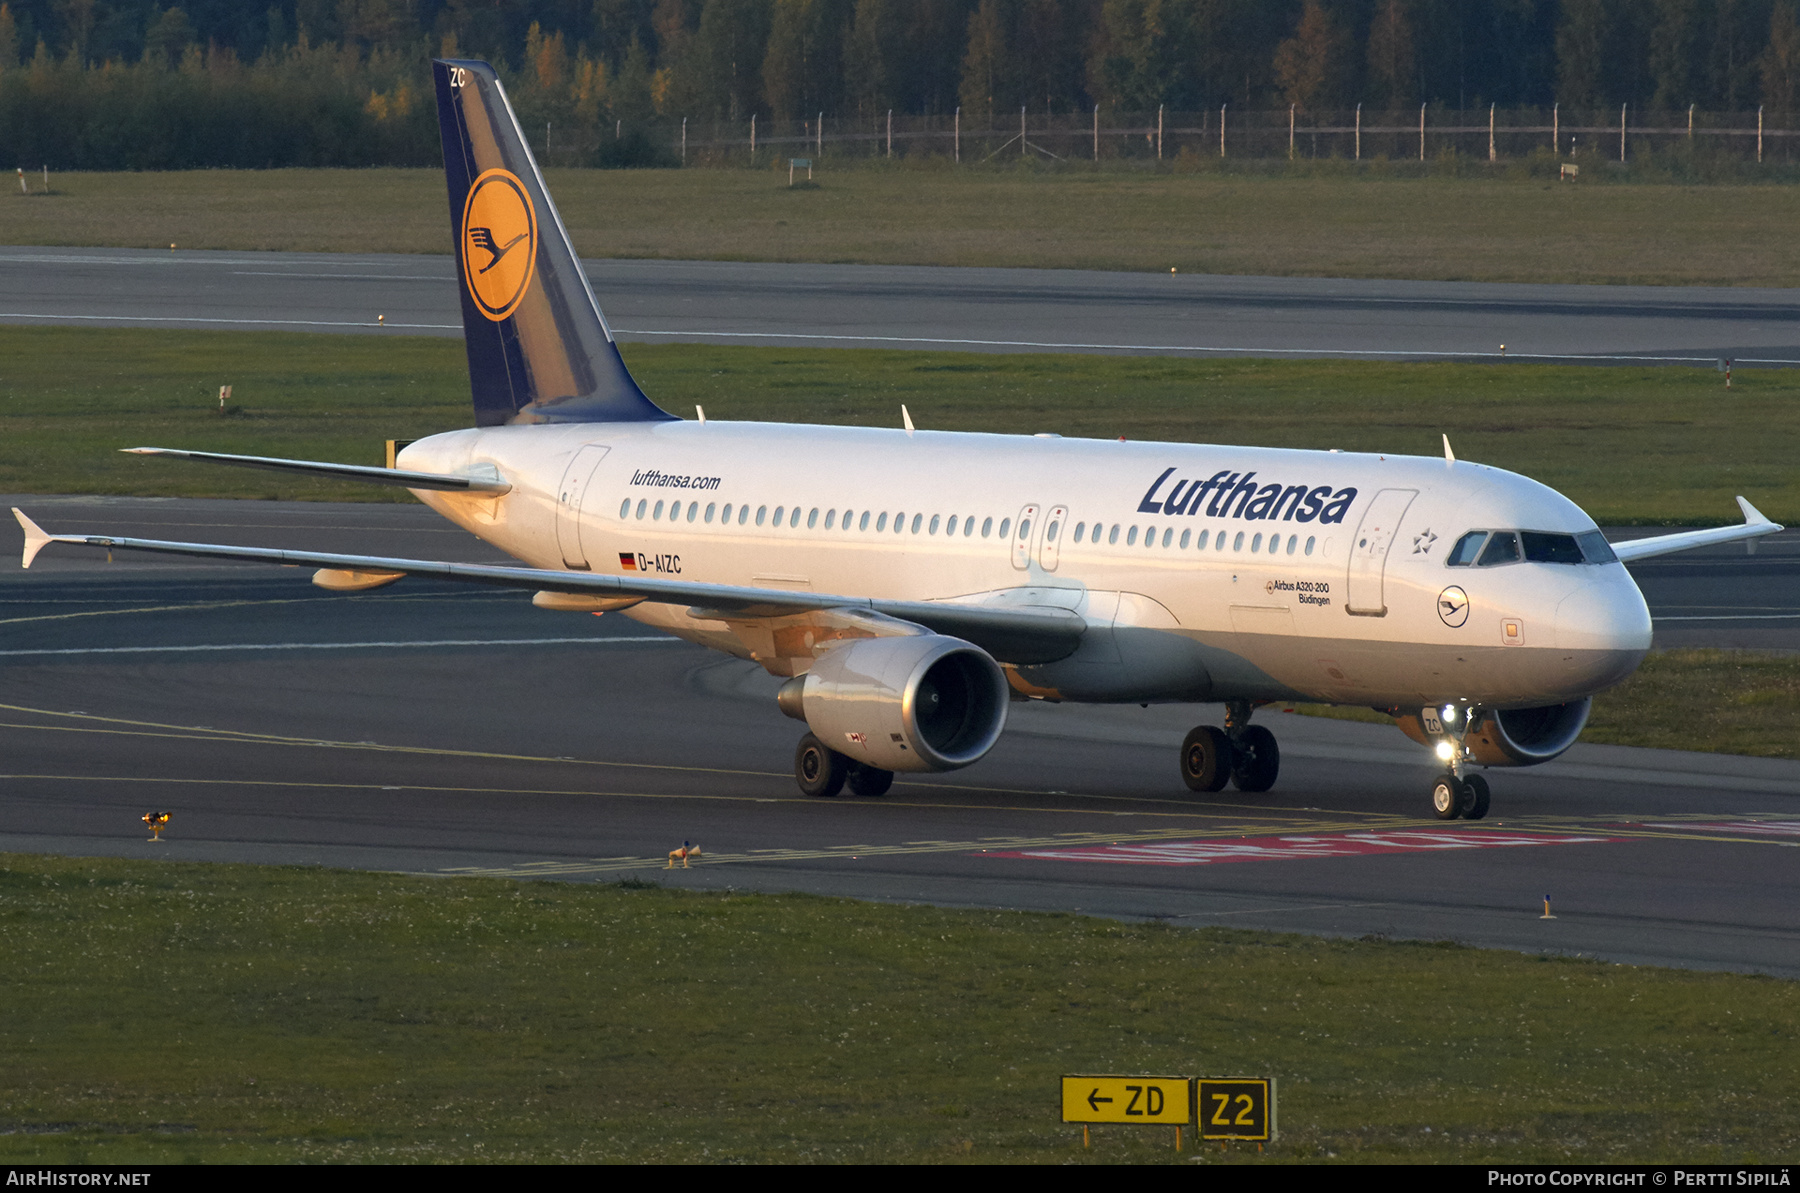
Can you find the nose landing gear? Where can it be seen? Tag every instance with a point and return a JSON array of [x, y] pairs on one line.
[[1246, 755], [1455, 793]]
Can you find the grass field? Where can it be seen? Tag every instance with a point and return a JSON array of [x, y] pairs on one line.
[[1662, 445], [178, 1013], [1349, 224]]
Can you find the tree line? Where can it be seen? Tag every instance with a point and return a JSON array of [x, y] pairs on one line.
[[139, 84]]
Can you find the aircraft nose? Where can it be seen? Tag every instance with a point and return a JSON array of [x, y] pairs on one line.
[[1606, 613]]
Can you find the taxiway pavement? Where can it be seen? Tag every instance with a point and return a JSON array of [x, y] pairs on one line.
[[876, 306], [447, 730]]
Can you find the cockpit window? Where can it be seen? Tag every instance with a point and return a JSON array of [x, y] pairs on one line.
[[1595, 548], [1550, 548], [1492, 548], [1503, 547], [1466, 549]]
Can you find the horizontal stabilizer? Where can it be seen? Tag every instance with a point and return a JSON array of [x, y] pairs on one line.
[[486, 481], [1754, 526]]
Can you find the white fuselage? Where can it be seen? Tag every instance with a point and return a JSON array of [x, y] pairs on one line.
[[1292, 575]]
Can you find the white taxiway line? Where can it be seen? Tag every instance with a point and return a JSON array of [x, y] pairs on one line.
[[335, 645], [1046, 345]]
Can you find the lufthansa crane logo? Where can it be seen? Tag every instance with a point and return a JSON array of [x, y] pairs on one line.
[[499, 243], [1453, 606]]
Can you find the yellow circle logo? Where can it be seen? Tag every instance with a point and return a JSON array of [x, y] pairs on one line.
[[499, 242]]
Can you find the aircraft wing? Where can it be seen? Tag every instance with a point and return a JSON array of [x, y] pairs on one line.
[[1754, 526], [1015, 634], [488, 482]]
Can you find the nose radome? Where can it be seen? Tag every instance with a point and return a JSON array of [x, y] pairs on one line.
[[1604, 614]]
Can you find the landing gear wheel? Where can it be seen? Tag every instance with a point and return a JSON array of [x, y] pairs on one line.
[[1257, 760], [1475, 798], [819, 769], [869, 781], [1447, 796], [1206, 759]]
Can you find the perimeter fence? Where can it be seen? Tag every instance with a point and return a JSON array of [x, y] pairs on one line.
[[1422, 134]]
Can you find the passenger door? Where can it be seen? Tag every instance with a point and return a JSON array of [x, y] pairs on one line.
[[569, 497], [1369, 551]]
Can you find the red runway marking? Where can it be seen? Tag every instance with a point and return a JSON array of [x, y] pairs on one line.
[[1286, 849], [1772, 828]]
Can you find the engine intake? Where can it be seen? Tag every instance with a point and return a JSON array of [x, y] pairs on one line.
[[920, 703], [1517, 736]]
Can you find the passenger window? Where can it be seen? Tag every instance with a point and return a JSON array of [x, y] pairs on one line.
[[1050, 532], [987, 524], [831, 519], [1005, 525], [726, 516], [1550, 548], [1503, 547], [1256, 544], [625, 509], [640, 512], [863, 523], [899, 522], [656, 513], [744, 515], [812, 517], [1466, 549], [1024, 529], [794, 517], [1200, 543], [1080, 531], [1309, 544], [780, 513], [1168, 535], [1293, 541], [1131, 537], [917, 518], [933, 528], [881, 523], [949, 527], [1237, 544], [711, 509], [1184, 539], [968, 525], [848, 514], [693, 510], [762, 511]]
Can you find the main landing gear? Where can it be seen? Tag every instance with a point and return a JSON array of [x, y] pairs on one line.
[[1455, 793], [1243, 754], [822, 771]]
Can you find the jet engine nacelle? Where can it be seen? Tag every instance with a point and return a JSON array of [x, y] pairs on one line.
[[1516, 736], [915, 703]]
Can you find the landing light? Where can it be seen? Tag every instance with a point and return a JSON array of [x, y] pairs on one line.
[[1450, 713], [1446, 751]]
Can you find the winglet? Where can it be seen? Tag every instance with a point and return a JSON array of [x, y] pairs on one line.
[[1450, 456], [35, 538], [906, 418], [1752, 515]]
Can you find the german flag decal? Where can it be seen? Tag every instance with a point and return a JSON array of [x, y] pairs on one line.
[[628, 561]]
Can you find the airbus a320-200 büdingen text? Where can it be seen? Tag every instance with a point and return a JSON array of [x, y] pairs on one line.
[[907, 584]]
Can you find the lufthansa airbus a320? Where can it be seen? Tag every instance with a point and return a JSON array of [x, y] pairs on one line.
[[908, 584]]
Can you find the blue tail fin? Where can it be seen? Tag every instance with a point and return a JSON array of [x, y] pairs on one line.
[[539, 348]]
